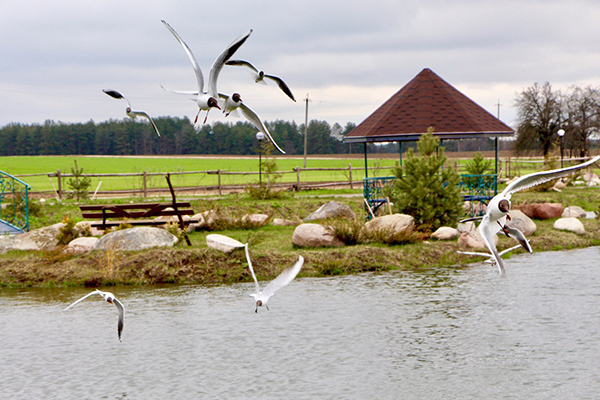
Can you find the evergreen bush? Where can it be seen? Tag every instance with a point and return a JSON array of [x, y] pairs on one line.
[[425, 189]]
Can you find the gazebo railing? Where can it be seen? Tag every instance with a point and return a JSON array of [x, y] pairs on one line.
[[474, 188], [14, 204]]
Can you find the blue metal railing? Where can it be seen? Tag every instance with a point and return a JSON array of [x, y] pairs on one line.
[[474, 188], [14, 204]]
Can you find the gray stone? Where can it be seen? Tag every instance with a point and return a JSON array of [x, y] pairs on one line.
[[256, 219], [570, 224], [333, 209], [445, 233], [138, 238], [468, 226], [283, 222], [38, 239], [81, 245], [521, 222], [314, 235], [394, 223], [575, 212], [222, 243]]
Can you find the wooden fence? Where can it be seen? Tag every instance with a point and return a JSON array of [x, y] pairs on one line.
[[146, 190]]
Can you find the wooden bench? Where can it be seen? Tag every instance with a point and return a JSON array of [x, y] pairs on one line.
[[136, 214]]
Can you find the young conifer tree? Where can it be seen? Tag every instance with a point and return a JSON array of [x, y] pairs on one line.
[[425, 189]]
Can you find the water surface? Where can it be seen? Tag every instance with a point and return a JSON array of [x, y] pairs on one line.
[[432, 334]]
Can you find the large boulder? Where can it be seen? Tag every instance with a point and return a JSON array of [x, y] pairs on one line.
[[255, 219], [574, 212], [333, 209], [445, 233], [522, 222], [394, 223], [542, 210], [570, 224], [473, 239], [314, 235], [38, 239], [137, 238]]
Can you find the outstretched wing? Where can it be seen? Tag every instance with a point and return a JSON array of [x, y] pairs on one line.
[[217, 66], [145, 115], [121, 310], [282, 85], [242, 63], [83, 298], [116, 95], [257, 122], [251, 269], [537, 178], [188, 51], [283, 279]]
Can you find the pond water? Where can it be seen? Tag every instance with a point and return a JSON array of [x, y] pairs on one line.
[[429, 334]]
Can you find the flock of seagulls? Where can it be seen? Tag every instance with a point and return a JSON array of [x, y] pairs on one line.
[[497, 213], [261, 297], [207, 96]]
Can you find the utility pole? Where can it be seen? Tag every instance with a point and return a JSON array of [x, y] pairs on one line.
[[307, 99]]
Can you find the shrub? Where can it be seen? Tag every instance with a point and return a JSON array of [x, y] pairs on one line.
[[424, 189]]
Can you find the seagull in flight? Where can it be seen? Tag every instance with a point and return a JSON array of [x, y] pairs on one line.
[[131, 113], [209, 98], [259, 76], [109, 297], [497, 212], [283, 279]]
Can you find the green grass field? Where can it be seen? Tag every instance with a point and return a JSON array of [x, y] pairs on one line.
[[22, 165], [97, 165]]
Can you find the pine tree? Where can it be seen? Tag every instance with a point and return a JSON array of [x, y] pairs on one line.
[[79, 184], [424, 189]]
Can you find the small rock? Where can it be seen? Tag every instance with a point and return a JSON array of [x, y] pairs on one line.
[[222, 243], [569, 224], [256, 219], [574, 211], [445, 233], [314, 235], [283, 222], [333, 209], [81, 245]]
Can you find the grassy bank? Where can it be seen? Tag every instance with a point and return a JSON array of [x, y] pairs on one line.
[[271, 247]]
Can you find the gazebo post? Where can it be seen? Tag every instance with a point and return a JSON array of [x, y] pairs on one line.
[[400, 151], [366, 165], [496, 166]]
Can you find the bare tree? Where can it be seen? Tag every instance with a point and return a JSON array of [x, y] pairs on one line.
[[539, 117], [581, 107]]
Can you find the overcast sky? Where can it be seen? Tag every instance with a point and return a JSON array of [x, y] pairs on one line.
[[348, 56]]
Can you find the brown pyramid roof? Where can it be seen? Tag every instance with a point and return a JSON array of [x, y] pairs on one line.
[[427, 101]]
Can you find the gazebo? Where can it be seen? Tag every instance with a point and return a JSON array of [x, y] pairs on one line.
[[427, 101]]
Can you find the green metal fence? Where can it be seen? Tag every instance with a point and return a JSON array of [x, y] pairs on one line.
[[14, 204]]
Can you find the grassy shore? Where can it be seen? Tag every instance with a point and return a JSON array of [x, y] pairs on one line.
[[271, 247]]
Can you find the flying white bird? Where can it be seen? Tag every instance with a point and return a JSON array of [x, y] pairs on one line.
[[209, 98], [131, 113], [283, 279], [259, 76], [109, 297], [497, 212]]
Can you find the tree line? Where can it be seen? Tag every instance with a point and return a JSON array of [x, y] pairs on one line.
[[178, 136], [543, 111]]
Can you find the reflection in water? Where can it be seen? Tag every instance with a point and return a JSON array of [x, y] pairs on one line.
[[444, 333]]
